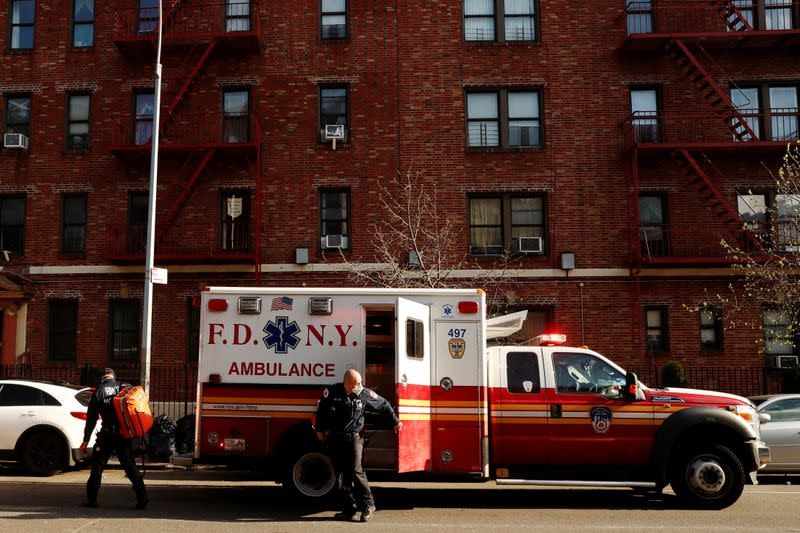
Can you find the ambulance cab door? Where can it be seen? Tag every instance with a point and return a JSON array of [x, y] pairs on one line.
[[413, 382]]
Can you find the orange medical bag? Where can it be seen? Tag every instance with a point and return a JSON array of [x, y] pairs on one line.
[[133, 412]]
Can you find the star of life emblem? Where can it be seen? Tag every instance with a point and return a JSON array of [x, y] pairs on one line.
[[281, 334]]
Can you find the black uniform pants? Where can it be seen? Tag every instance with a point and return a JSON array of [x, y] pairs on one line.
[[353, 484], [107, 443]]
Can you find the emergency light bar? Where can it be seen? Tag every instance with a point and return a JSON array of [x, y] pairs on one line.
[[550, 339]]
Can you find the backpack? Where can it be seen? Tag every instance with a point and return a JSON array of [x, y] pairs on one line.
[[133, 412]]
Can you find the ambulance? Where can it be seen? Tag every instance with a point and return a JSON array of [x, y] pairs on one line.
[[540, 414]]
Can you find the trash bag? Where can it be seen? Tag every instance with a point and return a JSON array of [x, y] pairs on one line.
[[162, 438], [184, 434]]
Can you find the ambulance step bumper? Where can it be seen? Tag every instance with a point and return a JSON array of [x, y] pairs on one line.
[[181, 460], [575, 483]]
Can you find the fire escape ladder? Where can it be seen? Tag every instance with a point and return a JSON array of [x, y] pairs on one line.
[[712, 93], [186, 188], [191, 77], [714, 198], [732, 16]]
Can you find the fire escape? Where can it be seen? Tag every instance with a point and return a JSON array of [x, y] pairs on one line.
[[191, 138], [689, 31]]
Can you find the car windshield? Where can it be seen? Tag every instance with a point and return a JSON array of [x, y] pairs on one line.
[[84, 396]]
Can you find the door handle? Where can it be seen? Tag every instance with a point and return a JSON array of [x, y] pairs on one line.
[[555, 410]]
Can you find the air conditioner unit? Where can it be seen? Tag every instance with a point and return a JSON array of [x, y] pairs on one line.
[[15, 140], [334, 132], [80, 141], [334, 241], [529, 245], [413, 259], [782, 361]]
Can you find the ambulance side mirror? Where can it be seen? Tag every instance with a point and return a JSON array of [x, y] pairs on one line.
[[631, 391]]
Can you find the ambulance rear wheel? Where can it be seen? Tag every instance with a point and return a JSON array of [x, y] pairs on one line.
[[312, 475], [710, 477]]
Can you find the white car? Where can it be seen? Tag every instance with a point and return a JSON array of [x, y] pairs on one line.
[[41, 424]]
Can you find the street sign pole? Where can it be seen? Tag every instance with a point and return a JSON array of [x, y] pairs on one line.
[[147, 326]]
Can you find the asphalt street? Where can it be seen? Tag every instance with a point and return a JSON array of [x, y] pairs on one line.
[[221, 500]]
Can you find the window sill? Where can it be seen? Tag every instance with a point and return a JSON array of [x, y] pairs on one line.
[[339, 145], [502, 149], [77, 151], [20, 50], [72, 255], [334, 40], [502, 44]]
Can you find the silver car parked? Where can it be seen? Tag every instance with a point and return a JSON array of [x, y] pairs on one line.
[[782, 432]]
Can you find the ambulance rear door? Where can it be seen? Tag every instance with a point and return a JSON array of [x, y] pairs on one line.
[[413, 382]]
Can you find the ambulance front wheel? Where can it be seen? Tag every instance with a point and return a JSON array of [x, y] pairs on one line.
[[311, 475], [709, 477]]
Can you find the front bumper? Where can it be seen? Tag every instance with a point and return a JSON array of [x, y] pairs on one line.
[[760, 453]]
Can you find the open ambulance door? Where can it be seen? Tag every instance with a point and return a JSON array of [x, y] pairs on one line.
[[413, 382]]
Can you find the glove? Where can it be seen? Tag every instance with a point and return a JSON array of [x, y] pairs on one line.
[[83, 447]]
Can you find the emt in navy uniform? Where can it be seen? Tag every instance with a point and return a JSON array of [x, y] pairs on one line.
[[340, 419], [109, 440]]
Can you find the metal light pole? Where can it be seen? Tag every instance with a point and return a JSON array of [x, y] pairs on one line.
[[151, 222]]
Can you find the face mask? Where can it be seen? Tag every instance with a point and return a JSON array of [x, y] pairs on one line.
[[357, 389]]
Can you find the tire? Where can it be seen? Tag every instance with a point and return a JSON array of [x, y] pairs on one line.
[[311, 475], [43, 453], [708, 477]]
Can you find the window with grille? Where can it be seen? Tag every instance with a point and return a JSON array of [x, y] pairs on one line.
[[333, 19], [124, 331], [509, 119]]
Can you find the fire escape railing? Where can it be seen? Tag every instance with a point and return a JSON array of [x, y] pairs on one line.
[[643, 17], [196, 239], [659, 242], [194, 20], [675, 128], [191, 130]]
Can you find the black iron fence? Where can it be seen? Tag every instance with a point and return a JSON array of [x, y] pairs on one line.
[[744, 381], [173, 389]]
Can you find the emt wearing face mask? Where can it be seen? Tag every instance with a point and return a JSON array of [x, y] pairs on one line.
[[340, 419]]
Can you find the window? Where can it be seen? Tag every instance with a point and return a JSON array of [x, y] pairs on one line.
[[784, 410], [18, 114], [711, 329], [644, 110], [143, 130], [23, 15], [653, 229], [507, 222], [83, 23], [415, 339], [12, 224], [73, 223], [20, 395], [148, 16], [639, 14], [500, 20], [745, 10], [124, 331], [333, 19], [334, 214], [779, 339], [62, 330], [237, 15], [583, 373], [136, 236], [537, 322], [748, 104], [78, 121], [656, 324], [778, 14], [504, 119], [333, 109], [522, 373], [775, 217], [235, 221], [236, 116], [776, 119], [192, 330]]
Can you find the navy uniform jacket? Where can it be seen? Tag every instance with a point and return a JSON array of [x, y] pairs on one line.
[[102, 404], [342, 413]]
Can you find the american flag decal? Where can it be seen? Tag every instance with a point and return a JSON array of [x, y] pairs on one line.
[[283, 303]]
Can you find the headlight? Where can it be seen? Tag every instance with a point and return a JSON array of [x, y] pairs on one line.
[[748, 413]]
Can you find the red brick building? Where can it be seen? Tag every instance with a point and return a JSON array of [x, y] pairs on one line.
[[522, 112]]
